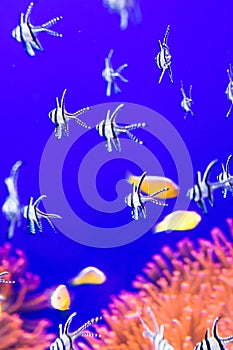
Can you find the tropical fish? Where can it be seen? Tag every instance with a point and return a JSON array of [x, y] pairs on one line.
[[60, 117], [215, 342], [110, 75], [187, 102], [89, 275], [163, 58], [11, 206], [60, 298], [33, 214], [157, 336], [26, 33], [2, 280], [136, 200], [65, 340], [226, 178], [152, 184], [109, 130], [229, 90], [180, 220]]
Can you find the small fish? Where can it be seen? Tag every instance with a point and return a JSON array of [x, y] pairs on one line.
[[226, 178], [136, 200], [89, 275], [163, 58], [215, 342], [187, 102], [65, 340], [11, 206], [60, 298], [157, 336], [26, 33], [229, 90], [152, 184], [60, 117], [2, 280], [33, 214], [110, 75], [180, 220], [202, 188], [109, 130]]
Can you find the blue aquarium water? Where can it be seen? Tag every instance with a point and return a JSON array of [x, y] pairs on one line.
[[84, 183]]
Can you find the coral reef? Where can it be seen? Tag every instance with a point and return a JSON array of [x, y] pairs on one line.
[[186, 290], [15, 331]]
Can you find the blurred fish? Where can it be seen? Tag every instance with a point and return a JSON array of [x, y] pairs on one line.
[[152, 184], [34, 214], [225, 178], [2, 280], [26, 33], [89, 275], [163, 58], [215, 342], [229, 90], [11, 206], [60, 117], [60, 298], [187, 102], [110, 75], [109, 130], [136, 200], [65, 340], [180, 220], [157, 336]]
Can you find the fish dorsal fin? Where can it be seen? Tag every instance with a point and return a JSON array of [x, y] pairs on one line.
[[190, 92], [28, 13], [117, 110], [140, 181], [207, 171], [36, 203], [63, 100], [67, 324], [166, 34], [57, 103], [227, 164]]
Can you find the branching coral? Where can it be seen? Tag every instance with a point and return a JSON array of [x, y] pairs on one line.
[[16, 332], [186, 290]]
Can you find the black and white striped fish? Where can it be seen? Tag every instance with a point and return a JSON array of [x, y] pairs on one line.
[[202, 188], [2, 280], [109, 130], [187, 102], [11, 206], [60, 117], [225, 178], [26, 33], [33, 214], [157, 336], [215, 342], [229, 90], [136, 200], [65, 340], [163, 58]]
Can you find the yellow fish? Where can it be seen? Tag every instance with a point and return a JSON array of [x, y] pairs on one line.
[[152, 184], [180, 220], [60, 298], [89, 275]]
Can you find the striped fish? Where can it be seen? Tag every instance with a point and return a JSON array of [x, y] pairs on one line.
[[157, 336], [163, 58], [26, 33], [109, 130], [229, 90], [187, 102], [215, 342], [60, 117], [65, 340], [136, 200], [225, 178], [202, 188], [33, 214]]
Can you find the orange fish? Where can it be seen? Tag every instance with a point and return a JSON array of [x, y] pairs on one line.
[[180, 220], [89, 275], [60, 298]]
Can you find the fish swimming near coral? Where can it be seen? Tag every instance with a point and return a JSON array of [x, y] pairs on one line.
[[225, 178], [89, 275], [229, 90], [163, 58], [180, 220], [109, 130], [60, 298], [60, 117], [152, 184], [26, 33], [65, 340], [110, 75], [11, 207], [136, 200], [157, 336], [33, 214], [187, 102], [3, 280], [215, 342]]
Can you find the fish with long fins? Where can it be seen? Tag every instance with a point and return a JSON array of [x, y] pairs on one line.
[[180, 220], [89, 275], [152, 184], [60, 298]]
